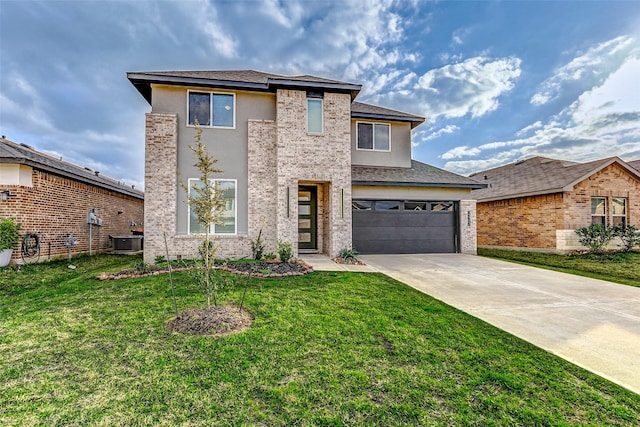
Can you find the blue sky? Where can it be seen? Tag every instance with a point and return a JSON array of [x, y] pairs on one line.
[[497, 81]]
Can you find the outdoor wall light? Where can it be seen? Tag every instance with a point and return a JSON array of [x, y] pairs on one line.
[[4, 195]]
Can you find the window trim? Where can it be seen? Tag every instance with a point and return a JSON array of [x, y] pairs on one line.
[[211, 93], [626, 210], [212, 230], [321, 100], [605, 210], [373, 136]]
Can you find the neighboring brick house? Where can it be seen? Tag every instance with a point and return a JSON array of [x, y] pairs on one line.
[[301, 161], [53, 198], [538, 203]]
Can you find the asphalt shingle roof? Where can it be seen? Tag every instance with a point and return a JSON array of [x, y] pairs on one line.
[[537, 175], [419, 174], [634, 164], [239, 79], [11, 152], [361, 110]]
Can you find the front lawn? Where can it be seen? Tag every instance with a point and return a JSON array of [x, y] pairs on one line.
[[329, 348], [615, 267]]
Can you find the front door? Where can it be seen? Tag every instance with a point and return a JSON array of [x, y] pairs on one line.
[[307, 218]]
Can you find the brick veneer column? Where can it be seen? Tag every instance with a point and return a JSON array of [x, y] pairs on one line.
[[161, 133], [323, 158], [262, 181], [468, 239]]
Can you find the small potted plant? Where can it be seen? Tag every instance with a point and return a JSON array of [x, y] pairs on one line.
[[9, 237]]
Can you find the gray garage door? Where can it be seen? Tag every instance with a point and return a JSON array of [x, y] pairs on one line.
[[404, 227]]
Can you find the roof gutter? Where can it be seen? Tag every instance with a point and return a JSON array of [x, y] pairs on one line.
[[415, 121]]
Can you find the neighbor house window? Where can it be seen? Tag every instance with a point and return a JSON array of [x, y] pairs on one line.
[[599, 210], [619, 211], [314, 115], [228, 219], [374, 136], [212, 109]]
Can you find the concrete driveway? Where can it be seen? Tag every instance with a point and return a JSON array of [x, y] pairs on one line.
[[592, 323]]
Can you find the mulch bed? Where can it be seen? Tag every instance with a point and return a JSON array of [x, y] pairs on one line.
[[213, 322], [297, 267]]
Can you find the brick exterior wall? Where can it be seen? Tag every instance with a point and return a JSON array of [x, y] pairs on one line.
[[548, 221], [262, 181], [525, 222], [56, 206], [323, 159]]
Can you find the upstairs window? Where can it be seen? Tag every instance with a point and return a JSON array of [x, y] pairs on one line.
[[599, 210], [619, 211], [374, 136], [314, 115], [212, 109]]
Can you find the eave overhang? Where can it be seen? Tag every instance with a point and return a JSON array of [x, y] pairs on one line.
[[418, 184]]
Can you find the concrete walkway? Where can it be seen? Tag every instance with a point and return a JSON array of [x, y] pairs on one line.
[[592, 323]]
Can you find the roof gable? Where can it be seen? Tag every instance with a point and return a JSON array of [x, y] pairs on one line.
[[539, 175]]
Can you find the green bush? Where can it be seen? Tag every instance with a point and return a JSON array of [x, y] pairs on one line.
[[285, 251], [596, 237], [630, 236], [9, 233]]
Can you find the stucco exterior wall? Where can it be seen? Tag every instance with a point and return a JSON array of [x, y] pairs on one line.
[[398, 156], [228, 146], [56, 206]]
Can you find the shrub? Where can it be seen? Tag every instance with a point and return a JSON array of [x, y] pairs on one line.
[[9, 233], [348, 255], [285, 251], [629, 235], [596, 237], [257, 246]]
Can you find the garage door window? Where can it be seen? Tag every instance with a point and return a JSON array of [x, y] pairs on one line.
[[415, 206], [361, 205], [387, 206], [442, 206]]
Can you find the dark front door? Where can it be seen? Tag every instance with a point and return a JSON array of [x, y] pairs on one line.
[[307, 218]]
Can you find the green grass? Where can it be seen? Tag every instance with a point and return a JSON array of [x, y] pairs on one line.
[[621, 268], [329, 348]]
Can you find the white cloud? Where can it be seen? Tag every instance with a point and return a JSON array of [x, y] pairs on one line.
[[588, 69], [525, 130], [602, 122], [431, 133], [463, 151]]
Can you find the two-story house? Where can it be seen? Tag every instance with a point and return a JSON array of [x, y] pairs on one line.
[[302, 161]]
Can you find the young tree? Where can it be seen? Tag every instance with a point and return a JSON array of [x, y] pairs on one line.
[[207, 204]]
